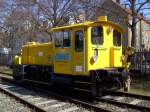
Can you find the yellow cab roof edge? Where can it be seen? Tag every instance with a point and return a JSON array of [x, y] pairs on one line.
[[86, 24], [112, 24], [71, 26]]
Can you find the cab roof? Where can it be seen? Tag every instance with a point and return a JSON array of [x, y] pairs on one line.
[[87, 24]]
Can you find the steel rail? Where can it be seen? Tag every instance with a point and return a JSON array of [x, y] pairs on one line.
[[5, 73], [120, 93], [29, 104], [95, 108], [75, 101], [123, 104]]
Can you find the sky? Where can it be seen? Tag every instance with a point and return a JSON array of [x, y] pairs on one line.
[[145, 11]]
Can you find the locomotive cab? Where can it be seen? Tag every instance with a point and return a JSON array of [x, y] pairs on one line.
[[87, 50], [87, 46]]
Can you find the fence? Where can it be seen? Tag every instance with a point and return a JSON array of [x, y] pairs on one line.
[[6, 59], [141, 60]]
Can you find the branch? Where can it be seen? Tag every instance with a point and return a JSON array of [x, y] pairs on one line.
[[65, 5], [145, 8], [64, 11], [138, 20], [142, 4], [42, 9], [3, 28], [130, 1], [147, 14], [129, 25]]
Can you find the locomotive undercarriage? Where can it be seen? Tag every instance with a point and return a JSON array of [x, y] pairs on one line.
[[100, 80], [33, 72], [96, 83], [105, 79]]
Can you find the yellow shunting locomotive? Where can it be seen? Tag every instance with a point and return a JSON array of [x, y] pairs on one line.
[[88, 54]]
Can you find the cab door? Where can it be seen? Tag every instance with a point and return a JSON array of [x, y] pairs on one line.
[[78, 51], [117, 43], [62, 57]]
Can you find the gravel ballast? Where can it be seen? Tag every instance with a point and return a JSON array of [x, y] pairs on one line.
[[9, 104]]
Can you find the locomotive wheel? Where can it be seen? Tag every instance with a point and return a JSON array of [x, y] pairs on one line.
[[96, 87], [117, 83], [16, 73], [99, 88]]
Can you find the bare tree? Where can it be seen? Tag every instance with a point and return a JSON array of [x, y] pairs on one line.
[[90, 7], [55, 11], [5, 9], [19, 23], [4, 6], [136, 8]]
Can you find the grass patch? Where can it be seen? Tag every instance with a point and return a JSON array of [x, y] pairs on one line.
[[140, 91], [141, 85]]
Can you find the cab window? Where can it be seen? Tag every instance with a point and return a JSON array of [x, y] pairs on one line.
[[58, 38], [79, 41], [62, 38], [66, 38], [97, 35], [116, 38]]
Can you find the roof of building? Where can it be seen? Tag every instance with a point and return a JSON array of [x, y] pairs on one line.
[[141, 17]]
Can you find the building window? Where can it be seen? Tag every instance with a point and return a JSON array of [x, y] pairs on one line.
[[62, 38], [79, 41], [116, 38], [97, 35]]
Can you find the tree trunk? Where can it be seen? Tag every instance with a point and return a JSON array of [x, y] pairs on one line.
[[133, 26], [133, 40]]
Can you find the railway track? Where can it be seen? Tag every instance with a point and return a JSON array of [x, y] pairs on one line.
[[112, 101], [44, 101], [127, 100]]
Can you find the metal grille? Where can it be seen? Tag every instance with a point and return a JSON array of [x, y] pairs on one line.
[[141, 60]]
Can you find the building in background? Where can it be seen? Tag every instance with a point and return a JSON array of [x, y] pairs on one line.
[[146, 39], [142, 29], [143, 34]]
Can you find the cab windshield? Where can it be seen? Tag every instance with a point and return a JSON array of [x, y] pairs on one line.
[[116, 38], [97, 35]]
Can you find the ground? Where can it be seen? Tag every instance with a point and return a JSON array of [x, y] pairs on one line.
[[5, 69], [141, 86]]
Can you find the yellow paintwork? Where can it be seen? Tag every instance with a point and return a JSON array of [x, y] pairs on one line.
[[65, 65], [78, 57], [102, 18], [17, 60], [87, 24], [37, 54], [77, 63], [109, 55], [106, 57]]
